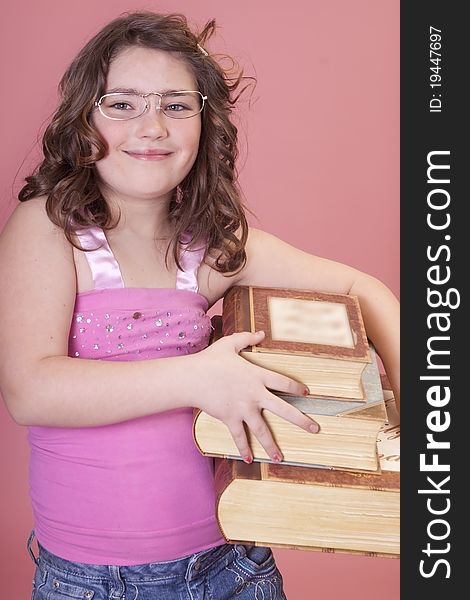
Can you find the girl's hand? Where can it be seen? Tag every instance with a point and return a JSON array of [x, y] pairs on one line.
[[235, 392]]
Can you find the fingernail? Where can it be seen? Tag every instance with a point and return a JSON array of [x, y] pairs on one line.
[[277, 457], [248, 460], [306, 391], [259, 332], [314, 428]]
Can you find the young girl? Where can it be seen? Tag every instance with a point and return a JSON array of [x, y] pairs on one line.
[[130, 230]]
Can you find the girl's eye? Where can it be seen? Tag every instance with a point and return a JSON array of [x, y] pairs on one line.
[[175, 107], [121, 106]]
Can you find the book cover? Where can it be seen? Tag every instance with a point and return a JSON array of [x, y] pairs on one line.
[[316, 338], [315, 509]]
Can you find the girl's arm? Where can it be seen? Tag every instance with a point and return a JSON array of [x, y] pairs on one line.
[[272, 262], [42, 386]]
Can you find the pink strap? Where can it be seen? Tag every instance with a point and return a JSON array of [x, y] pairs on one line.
[[186, 279], [104, 267]]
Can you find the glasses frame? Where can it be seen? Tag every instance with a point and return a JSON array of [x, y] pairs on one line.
[[147, 104]]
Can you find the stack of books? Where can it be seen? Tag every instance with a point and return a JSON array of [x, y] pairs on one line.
[[337, 490], [305, 508]]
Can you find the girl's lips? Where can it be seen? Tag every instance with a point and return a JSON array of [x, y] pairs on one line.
[[148, 154]]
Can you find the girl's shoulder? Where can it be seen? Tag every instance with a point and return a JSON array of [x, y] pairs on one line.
[[29, 236], [30, 217]]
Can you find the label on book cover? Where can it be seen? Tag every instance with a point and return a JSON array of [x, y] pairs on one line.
[[304, 321]]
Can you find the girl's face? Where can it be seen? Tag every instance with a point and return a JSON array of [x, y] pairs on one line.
[[150, 155]]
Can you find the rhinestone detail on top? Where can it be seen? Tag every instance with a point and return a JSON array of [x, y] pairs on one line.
[[148, 334]]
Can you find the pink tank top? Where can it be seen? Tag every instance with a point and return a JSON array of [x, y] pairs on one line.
[[138, 491]]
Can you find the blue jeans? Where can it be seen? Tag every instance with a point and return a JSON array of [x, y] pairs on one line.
[[221, 573]]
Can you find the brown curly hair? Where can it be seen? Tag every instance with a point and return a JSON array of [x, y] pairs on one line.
[[212, 209]]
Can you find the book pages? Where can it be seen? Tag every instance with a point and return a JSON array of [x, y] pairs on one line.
[[388, 440], [373, 395]]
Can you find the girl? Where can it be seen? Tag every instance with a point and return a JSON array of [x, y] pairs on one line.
[[130, 230]]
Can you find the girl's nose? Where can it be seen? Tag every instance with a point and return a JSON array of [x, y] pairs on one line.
[[153, 123]]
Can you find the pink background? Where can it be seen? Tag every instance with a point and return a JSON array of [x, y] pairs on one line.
[[320, 170]]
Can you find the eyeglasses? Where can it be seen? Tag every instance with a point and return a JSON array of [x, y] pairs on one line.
[[120, 106]]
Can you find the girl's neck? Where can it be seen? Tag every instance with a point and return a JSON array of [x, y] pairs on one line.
[[146, 219]]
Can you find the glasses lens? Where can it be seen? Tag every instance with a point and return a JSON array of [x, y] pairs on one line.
[[182, 105], [122, 106]]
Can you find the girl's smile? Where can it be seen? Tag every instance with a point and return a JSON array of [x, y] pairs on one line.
[[148, 154]]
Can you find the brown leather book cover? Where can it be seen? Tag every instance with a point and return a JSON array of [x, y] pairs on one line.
[[304, 312], [314, 337]]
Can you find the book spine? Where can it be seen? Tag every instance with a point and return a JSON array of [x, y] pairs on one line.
[[196, 414], [385, 382], [223, 475], [236, 311], [226, 471], [380, 481]]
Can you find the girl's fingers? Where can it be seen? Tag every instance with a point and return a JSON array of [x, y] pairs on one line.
[[261, 431], [286, 411], [244, 339], [240, 438], [270, 379], [282, 383]]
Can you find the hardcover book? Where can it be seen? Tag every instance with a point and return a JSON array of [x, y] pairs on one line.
[[316, 338], [315, 509], [347, 436]]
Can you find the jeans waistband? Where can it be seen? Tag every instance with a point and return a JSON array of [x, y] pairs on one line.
[[188, 567]]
